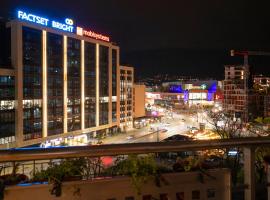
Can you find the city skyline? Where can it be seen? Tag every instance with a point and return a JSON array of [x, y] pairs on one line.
[[184, 38], [129, 97]]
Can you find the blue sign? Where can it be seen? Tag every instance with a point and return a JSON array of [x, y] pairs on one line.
[[176, 89], [67, 26]]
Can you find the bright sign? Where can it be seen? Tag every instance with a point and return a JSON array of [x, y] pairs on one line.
[[92, 34], [67, 26]]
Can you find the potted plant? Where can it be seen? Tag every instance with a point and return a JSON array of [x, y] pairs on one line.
[[140, 168], [56, 173]]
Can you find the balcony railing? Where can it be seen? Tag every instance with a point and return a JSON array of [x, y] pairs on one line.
[[30, 159]]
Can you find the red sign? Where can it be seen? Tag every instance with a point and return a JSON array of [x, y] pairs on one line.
[[92, 34]]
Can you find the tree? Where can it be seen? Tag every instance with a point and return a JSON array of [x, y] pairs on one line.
[[226, 127], [266, 120], [259, 120]]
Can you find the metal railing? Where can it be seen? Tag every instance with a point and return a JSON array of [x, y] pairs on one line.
[[26, 154], [36, 156]]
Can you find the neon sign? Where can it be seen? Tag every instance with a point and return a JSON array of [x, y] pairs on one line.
[[92, 34], [67, 26]]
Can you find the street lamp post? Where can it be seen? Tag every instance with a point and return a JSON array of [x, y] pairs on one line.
[[158, 134]]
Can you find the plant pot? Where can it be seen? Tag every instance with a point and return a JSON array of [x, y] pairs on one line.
[[73, 178], [10, 179]]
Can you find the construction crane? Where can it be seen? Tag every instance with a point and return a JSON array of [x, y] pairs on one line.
[[248, 53]]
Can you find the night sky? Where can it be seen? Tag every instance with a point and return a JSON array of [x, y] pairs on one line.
[[185, 37]]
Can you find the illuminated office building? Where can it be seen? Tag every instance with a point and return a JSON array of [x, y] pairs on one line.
[[126, 97], [56, 80]]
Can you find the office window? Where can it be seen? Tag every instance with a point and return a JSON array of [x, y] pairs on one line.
[[180, 196], [114, 85], [74, 84], [164, 197], [103, 85], [195, 194], [114, 111], [211, 193], [55, 83], [32, 83], [114, 72], [90, 84], [129, 198], [147, 197], [5, 47], [7, 109]]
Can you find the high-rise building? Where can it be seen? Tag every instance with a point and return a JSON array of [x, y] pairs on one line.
[[236, 91], [56, 80], [126, 97]]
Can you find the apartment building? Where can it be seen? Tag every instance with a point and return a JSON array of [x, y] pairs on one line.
[[236, 91]]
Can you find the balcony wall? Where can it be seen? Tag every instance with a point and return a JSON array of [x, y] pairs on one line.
[[119, 188]]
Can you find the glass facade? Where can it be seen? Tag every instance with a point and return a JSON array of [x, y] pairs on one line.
[[7, 110], [90, 84], [5, 46], [96, 67], [122, 96], [74, 84], [32, 83], [114, 85], [126, 96], [103, 85], [55, 83]]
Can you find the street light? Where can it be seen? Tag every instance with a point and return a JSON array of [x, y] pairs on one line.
[[157, 134]]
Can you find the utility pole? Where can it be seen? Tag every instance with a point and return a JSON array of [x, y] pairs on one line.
[[158, 134]]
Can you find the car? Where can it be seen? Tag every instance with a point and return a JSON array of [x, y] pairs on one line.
[[193, 129], [167, 124], [178, 138], [129, 137], [163, 130]]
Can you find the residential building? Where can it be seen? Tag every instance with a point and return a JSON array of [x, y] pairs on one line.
[[263, 82], [235, 87]]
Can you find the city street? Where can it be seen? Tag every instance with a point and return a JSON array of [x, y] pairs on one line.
[[179, 124]]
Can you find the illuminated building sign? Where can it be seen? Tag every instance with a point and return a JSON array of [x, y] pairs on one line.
[[66, 26], [92, 34], [176, 89], [203, 86]]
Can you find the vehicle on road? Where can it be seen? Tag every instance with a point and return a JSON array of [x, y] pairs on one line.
[[194, 129], [167, 124], [178, 137], [163, 130], [130, 137]]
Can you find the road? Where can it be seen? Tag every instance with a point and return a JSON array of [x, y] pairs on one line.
[[179, 124]]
